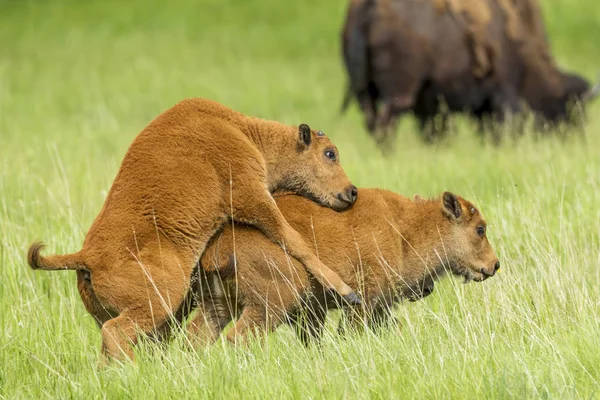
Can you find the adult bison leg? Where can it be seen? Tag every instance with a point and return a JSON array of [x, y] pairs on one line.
[[434, 128], [367, 100], [429, 112], [396, 99], [504, 113], [387, 118], [260, 210], [397, 73], [512, 113]]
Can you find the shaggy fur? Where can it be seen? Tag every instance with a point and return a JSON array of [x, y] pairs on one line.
[[195, 167], [387, 247]]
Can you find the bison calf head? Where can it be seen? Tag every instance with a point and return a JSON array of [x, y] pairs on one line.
[[314, 171], [465, 241]]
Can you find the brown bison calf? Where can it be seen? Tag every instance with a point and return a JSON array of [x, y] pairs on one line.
[[386, 247], [196, 166]]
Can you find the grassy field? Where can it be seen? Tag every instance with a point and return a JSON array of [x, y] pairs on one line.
[[78, 80]]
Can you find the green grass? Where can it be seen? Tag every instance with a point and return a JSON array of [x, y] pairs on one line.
[[78, 80]]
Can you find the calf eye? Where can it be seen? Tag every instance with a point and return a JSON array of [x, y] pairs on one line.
[[480, 230], [330, 154]]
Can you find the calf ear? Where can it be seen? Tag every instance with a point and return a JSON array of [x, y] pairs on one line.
[[451, 206], [304, 135]]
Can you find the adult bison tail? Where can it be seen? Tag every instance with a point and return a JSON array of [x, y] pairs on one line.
[[54, 263], [354, 47]]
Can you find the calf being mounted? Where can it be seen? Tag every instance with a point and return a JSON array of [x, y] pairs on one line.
[[386, 247]]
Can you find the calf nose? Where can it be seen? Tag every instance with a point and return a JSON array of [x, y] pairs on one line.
[[486, 274], [349, 195]]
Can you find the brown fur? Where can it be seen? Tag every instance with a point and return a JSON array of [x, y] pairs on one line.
[[196, 166], [386, 247]]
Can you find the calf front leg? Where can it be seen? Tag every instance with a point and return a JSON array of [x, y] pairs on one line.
[[262, 212], [213, 310], [310, 323]]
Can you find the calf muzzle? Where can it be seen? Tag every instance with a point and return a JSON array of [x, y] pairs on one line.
[[487, 274], [349, 195]]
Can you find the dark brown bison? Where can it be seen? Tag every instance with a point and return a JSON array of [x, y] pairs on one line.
[[482, 57]]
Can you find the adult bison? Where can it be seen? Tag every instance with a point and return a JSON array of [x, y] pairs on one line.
[[482, 57]]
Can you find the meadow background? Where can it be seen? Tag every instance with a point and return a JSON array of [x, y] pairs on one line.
[[79, 79]]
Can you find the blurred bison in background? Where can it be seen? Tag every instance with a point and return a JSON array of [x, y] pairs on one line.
[[433, 57]]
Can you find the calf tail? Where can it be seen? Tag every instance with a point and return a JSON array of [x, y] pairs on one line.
[[54, 263], [355, 48]]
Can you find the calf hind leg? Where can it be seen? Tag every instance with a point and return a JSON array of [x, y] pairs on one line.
[[208, 323], [256, 320], [90, 300], [147, 295], [120, 334]]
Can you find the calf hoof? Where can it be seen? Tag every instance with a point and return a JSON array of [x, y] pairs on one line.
[[352, 299]]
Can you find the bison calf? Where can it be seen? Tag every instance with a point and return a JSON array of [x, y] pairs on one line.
[[195, 167], [386, 247]]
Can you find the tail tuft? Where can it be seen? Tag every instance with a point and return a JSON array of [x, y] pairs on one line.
[[75, 262], [33, 255]]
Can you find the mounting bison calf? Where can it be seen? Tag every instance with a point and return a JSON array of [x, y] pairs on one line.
[[386, 247], [483, 57], [196, 166]]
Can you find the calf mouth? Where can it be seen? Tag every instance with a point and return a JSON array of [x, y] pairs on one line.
[[470, 274], [486, 274], [336, 203], [322, 201], [341, 204], [346, 199]]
